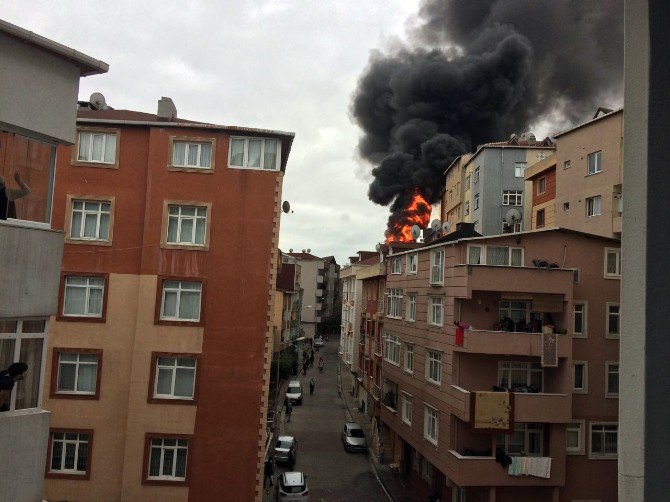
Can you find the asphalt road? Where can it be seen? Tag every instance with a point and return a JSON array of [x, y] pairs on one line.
[[332, 473]]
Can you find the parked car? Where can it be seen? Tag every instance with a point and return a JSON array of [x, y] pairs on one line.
[[292, 486], [286, 449], [353, 437], [318, 341], [294, 392]]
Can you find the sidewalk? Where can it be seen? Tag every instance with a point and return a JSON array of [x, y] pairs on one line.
[[396, 486]]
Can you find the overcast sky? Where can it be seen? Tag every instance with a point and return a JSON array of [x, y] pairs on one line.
[[290, 65]]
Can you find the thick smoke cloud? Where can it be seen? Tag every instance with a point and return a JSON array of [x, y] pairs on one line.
[[478, 71]]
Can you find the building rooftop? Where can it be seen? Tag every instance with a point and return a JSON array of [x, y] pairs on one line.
[[600, 114], [304, 256], [540, 167]]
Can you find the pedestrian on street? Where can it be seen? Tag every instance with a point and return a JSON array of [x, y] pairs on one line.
[[289, 410], [311, 359], [312, 384], [304, 368], [269, 471]]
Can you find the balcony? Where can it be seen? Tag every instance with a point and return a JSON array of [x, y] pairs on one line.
[[361, 338], [469, 278], [510, 343], [24, 436], [376, 391], [360, 376]]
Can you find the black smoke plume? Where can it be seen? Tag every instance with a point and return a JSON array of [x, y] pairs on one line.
[[477, 71]]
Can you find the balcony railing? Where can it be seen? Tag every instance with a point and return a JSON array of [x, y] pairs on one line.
[[376, 390], [360, 375], [510, 343], [361, 338]]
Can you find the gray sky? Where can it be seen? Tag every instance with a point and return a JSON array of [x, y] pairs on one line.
[[290, 65]]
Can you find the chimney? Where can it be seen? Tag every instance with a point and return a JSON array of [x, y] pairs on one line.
[[166, 109]]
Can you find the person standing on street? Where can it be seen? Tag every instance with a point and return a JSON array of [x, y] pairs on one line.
[[289, 410], [269, 471], [312, 384]]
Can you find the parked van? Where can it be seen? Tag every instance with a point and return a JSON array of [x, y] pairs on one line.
[[294, 392]]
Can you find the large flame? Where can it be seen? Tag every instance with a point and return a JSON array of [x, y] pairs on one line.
[[417, 213]]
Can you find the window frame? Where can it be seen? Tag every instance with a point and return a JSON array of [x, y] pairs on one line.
[[166, 219], [48, 473], [512, 198], [483, 255], [148, 436], [158, 318], [428, 412], [475, 176], [520, 165], [591, 211], [598, 455], [392, 340], [476, 201], [67, 224], [410, 307], [584, 332], [432, 321], [433, 281], [407, 404], [608, 393], [412, 259], [537, 218], [585, 377], [608, 315], [467, 182], [60, 316], [507, 366], [171, 166], [246, 153], [396, 266], [153, 375], [541, 185], [54, 393], [408, 358], [617, 273], [598, 168], [74, 158], [581, 427], [433, 363], [393, 303], [567, 164]]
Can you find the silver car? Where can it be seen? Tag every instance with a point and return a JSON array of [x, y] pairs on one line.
[[294, 392], [286, 449], [353, 437], [292, 486]]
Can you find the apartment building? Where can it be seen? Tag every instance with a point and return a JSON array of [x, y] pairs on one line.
[[158, 364], [500, 367], [589, 175], [542, 198], [288, 306], [496, 183], [40, 83], [454, 204]]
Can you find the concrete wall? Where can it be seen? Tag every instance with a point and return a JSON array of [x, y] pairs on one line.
[[30, 260], [39, 91], [24, 435]]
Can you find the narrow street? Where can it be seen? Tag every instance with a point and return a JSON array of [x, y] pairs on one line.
[[333, 474]]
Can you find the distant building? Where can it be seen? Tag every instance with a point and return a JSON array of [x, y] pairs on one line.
[[288, 304], [157, 370], [40, 83], [455, 205], [542, 198]]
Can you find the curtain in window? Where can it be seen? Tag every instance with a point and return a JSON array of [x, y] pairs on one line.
[[178, 153], [98, 141], [186, 231], [270, 155], [237, 152], [475, 255], [610, 442], [82, 454], [90, 225], [110, 149], [189, 305], [611, 263], [95, 301], [164, 384], [70, 451], [87, 372], [56, 453], [27, 390], [180, 470], [84, 145], [155, 462], [516, 257], [205, 154], [103, 233], [200, 225], [192, 154], [67, 372], [75, 297], [254, 158], [497, 255], [183, 384], [169, 301]]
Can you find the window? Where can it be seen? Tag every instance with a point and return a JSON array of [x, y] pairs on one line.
[[474, 255], [467, 183], [255, 153], [594, 162], [579, 319], [90, 220], [612, 262], [396, 266], [566, 206], [475, 177], [539, 219], [174, 377], [392, 349], [612, 374], [433, 366], [467, 207], [408, 360], [437, 266], [407, 408], [580, 380], [593, 206], [167, 459], [187, 225], [436, 310], [476, 225], [431, 422], [519, 169], [192, 154], [24, 340], [78, 372], [476, 203], [520, 375], [516, 310], [393, 303], [84, 296], [574, 438], [411, 307], [604, 440], [70, 453], [512, 198], [542, 185], [450, 195], [504, 256], [613, 318], [525, 441], [575, 276], [566, 164], [181, 301], [97, 147], [412, 265]]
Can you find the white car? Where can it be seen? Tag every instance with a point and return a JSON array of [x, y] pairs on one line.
[[318, 341], [294, 392], [292, 486]]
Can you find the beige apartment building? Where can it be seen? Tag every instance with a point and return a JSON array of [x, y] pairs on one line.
[[519, 401], [589, 181], [453, 198]]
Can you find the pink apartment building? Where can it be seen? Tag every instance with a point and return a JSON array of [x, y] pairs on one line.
[[535, 353]]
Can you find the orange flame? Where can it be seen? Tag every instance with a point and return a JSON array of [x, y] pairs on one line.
[[417, 213]]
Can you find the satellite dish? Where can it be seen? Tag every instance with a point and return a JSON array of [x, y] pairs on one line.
[[98, 100], [416, 232], [378, 247], [446, 226], [290, 250], [435, 225], [512, 215], [286, 207], [303, 250]]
